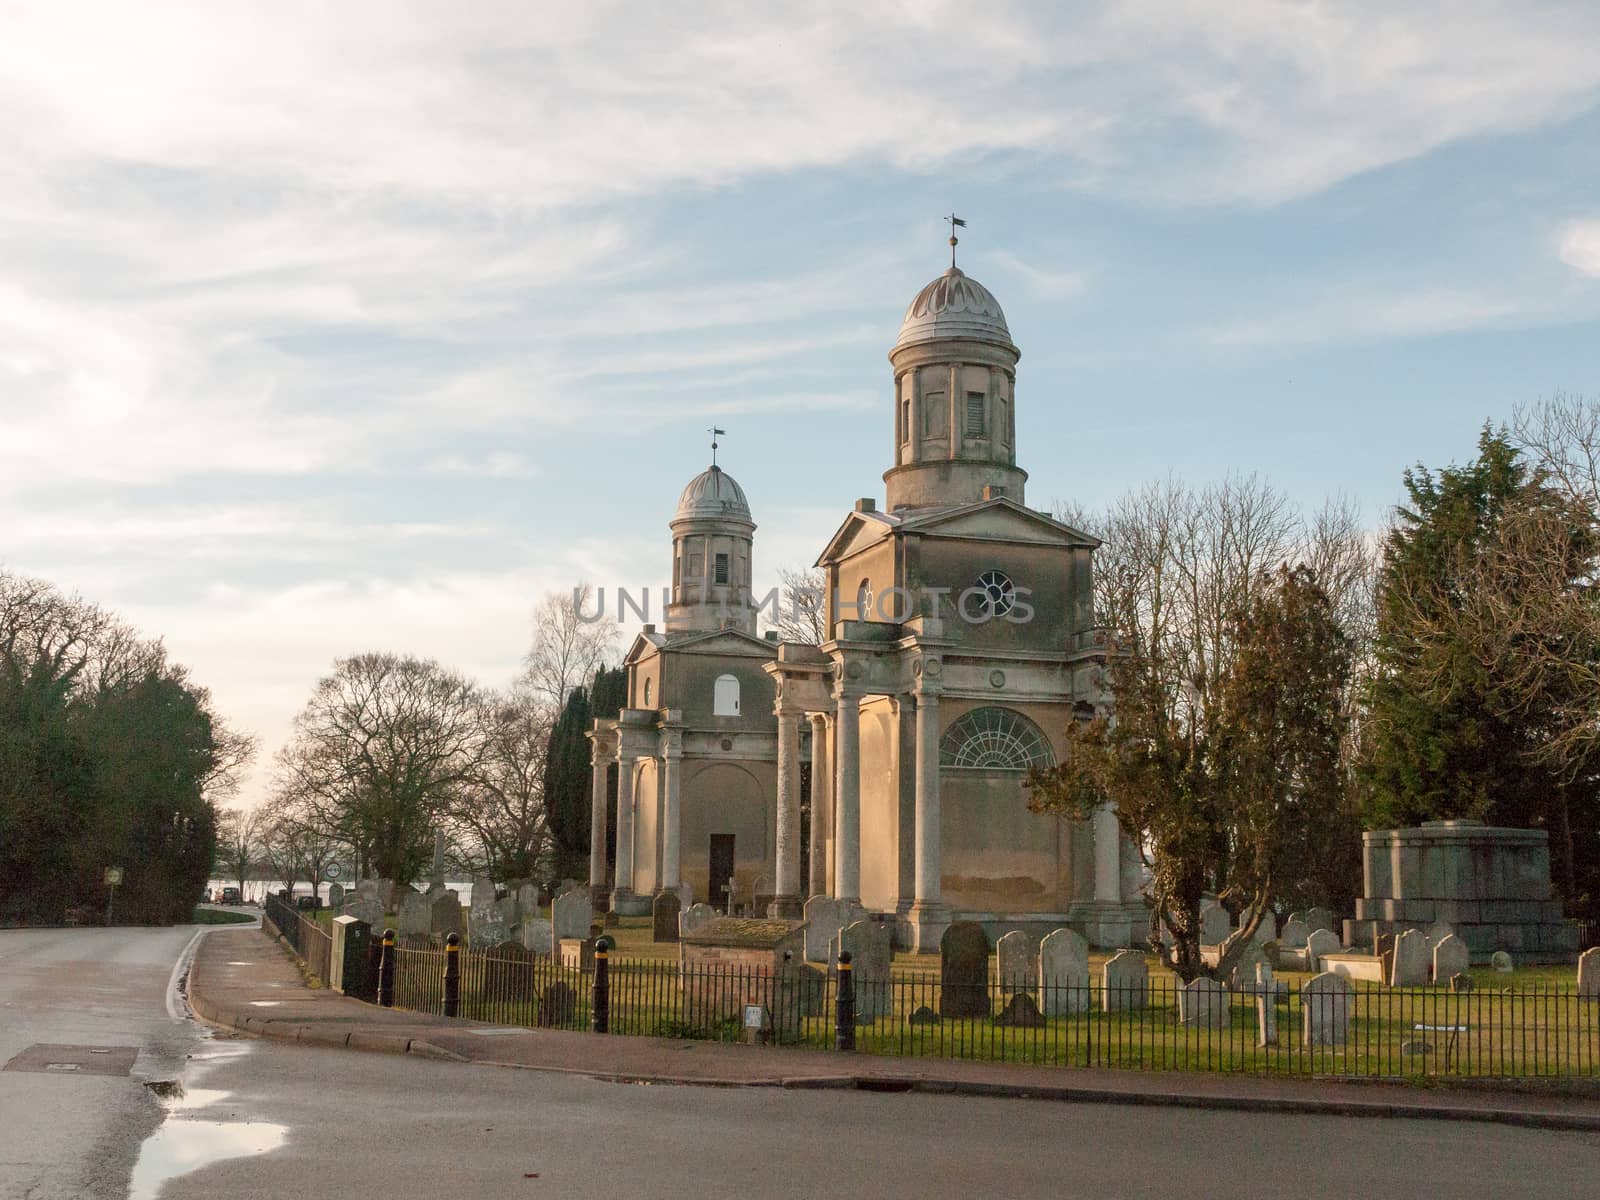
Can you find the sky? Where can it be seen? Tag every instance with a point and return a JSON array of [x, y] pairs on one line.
[[332, 328]]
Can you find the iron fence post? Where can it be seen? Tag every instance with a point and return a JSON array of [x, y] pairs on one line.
[[844, 1032], [602, 985], [452, 974]]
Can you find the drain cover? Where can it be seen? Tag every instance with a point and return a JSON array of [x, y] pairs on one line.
[[74, 1060]]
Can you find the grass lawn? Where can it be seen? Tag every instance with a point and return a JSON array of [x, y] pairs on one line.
[[218, 916]]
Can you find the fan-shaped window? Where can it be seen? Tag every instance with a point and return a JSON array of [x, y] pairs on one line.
[[725, 697], [994, 739]]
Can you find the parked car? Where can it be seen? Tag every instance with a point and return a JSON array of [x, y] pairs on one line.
[[232, 895]]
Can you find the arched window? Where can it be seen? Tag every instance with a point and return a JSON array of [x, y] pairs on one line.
[[647, 684], [863, 601], [994, 739], [725, 697]]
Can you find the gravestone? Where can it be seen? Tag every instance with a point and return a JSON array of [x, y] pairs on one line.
[[571, 914], [1267, 931], [1203, 1002], [508, 973], [1318, 943], [923, 1016], [1215, 924], [1450, 957], [696, 917], [538, 936], [1410, 960], [1589, 974], [335, 896], [1461, 982], [1325, 1005], [1293, 935], [364, 908], [1266, 1006], [871, 952], [1063, 973], [1243, 974], [482, 892], [415, 915], [825, 917], [557, 1004], [665, 910], [565, 886], [964, 971], [505, 912], [527, 901], [1501, 962], [1126, 981], [1020, 1012], [1016, 963], [1438, 931], [444, 914], [1318, 918]]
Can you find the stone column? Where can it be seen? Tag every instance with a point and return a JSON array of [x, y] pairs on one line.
[[847, 797], [1107, 855], [958, 429], [671, 790], [786, 892], [927, 845], [623, 888], [821, 806], [917, 421], [597, 822]]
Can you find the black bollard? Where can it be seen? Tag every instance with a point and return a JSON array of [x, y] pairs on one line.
[[452, 974], [844, 1033], [386, 971], [602, 985]]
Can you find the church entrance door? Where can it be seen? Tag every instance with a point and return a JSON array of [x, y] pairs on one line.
[[721, 869]]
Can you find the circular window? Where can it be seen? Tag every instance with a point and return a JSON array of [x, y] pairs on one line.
[[998, 591]]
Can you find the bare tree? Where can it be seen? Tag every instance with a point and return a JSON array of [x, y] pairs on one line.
[[567, 649], [1562, 436], [500, 810], [239, 843], [802, 615]]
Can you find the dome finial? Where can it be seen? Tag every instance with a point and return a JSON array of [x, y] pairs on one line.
[[954, 221], [715, 434]]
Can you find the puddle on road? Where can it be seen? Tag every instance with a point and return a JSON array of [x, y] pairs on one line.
[[185, 1143]]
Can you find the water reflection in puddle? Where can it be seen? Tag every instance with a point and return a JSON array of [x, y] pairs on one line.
[[184, 1144]]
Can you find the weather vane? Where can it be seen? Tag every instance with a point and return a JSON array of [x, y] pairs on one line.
[[954, 222], [715, 434]]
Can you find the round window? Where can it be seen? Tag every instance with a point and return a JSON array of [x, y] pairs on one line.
[[998, 591]]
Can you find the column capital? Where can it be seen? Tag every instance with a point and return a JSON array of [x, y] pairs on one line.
[[671, 743]]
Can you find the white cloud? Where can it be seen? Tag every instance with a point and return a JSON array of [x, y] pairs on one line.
[[1578, 245], [496, 465]]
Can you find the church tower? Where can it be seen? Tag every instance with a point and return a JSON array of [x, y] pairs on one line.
[[712, 535], [955, 390]]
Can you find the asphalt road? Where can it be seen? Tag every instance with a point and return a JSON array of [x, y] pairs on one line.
[[267, 1119]]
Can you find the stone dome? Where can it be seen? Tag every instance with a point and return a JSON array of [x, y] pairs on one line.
[[954, 306], [713, 494]]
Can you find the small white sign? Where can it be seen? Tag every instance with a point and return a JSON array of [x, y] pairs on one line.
[[113, 876], [753, 1014], [334, 870]]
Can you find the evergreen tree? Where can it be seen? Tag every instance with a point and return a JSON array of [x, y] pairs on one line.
[[567, 786]]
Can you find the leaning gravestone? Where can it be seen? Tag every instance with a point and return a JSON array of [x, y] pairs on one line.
[[871, 952], [538, 937], [1410, 960], [696, 917], [1318, 943], [1203, 1002], [1016, 963], [365, 908], [1589, 974], [571, 914], [664, 911], [1450, 957], [1325, 1005], [1215, 924], [1293, 935], [415, 915], [964, 971], [1126, 981], [444, 915], [1063, 973]]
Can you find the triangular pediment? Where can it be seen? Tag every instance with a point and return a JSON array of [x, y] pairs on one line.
[[726, 642], [859, 530], [1001, 519]]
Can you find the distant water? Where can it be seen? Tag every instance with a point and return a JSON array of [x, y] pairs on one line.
[[257, 890]]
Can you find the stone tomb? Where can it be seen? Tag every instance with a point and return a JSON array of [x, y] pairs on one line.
[[664, 911], [1016, 963], [1063, 973], [734, 961], [1325, 1008], [1126, 981], [964, 971], [1410, 960], [871, 947], [1450, 957], [1203, 1002]]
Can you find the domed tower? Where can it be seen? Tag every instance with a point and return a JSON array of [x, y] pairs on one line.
[[712, 536], [955, 373]]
